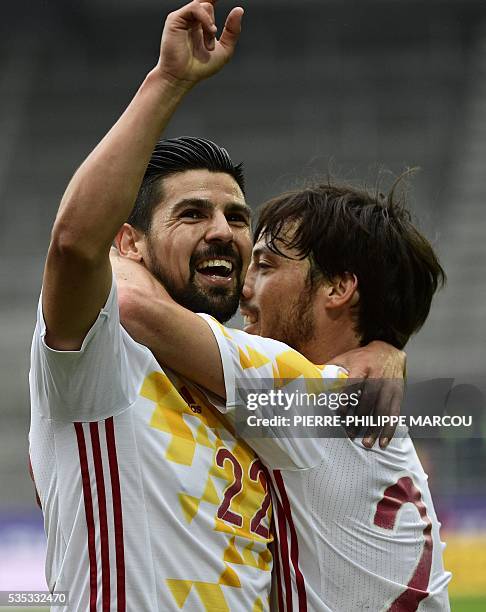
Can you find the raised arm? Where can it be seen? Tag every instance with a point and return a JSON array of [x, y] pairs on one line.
[[101, 194]]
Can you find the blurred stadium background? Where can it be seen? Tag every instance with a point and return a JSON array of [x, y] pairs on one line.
[[352, 86]]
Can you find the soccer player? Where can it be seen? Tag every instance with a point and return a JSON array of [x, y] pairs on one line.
[[133, 466], [333, 267]]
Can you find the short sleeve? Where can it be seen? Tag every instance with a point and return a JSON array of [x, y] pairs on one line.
[[255, 364], [90, 384]]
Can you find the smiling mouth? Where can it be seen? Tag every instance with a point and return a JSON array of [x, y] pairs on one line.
[[217, 268]]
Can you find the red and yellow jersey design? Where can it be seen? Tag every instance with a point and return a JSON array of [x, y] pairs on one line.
[[229, 487], [150, 501]]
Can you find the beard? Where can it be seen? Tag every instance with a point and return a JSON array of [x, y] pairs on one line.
[[297, 324], [218, 302]]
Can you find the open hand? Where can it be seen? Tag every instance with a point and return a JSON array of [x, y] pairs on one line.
[[189, 50]]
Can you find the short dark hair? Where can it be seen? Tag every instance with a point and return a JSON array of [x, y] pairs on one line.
[[346, 229], [178, 155]]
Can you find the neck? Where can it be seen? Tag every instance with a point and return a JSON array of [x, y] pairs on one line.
[[330, 339]]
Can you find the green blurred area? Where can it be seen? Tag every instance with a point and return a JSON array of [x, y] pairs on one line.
[[468, 604]]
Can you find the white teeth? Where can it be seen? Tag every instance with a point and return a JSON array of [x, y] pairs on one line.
[[216, 262]]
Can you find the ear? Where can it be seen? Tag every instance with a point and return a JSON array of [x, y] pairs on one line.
[[342, 291], [130, 243]]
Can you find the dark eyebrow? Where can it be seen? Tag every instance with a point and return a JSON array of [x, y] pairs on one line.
[[199, 203], [203, 204], [263, 250], [244, 209]]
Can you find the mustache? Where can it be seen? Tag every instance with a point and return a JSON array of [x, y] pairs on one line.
[[217, 251]]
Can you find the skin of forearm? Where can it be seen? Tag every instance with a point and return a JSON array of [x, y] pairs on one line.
[[101, 194], [178, 338]]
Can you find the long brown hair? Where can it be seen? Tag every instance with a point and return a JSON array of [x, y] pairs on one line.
[[341, 229]]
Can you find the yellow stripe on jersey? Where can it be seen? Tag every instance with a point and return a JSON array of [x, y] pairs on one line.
[[244, 360], [262, 561], [210, 494], [210, 594], [196, 430], [254, 358], [169, 418], [224, 330], [158, 388], [180, 589], [190, 506], [231, 555], [292, 365], [229, 578], [249, 556], [202, 436], [258, 607]]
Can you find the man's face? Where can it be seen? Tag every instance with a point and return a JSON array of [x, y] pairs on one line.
[[199, 244], [278, 297]]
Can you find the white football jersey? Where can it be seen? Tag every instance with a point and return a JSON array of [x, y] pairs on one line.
[[356, 528], [150, 502]]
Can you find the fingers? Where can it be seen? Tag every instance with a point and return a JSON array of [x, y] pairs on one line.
[[357, 381], [352, 389], [201, 14], [395, 407], [396, 366], [232, 29], [381, 407], [389, 396], [197, 14], [209, 37], [366, 406]]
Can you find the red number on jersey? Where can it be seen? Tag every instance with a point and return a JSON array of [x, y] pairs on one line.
[[403, 492], [257, 472], [224, 513]]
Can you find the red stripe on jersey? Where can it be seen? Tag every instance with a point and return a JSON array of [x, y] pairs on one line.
[[31, 472], [88, 509], [100, 487], [284, 554], [395, 496], [294, 542], [277, 572], [117, 514]]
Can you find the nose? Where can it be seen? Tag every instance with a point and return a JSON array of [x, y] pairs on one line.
[[219, 229], [247, 291]]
